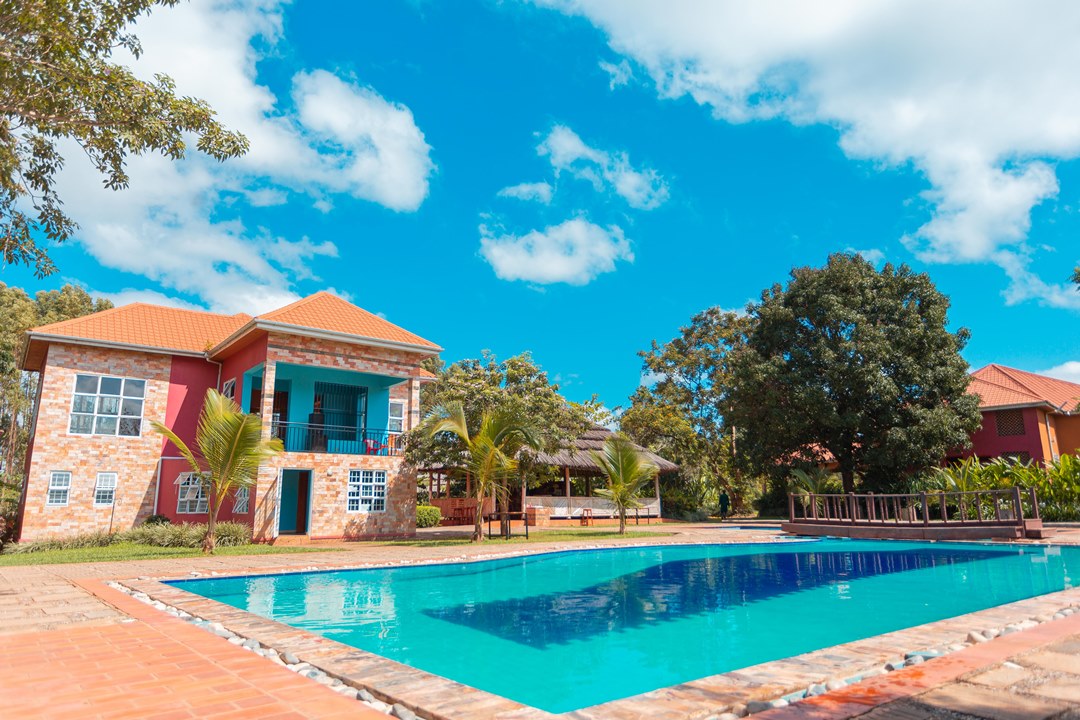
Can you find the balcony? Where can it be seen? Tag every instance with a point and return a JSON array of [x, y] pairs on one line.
[[336, 439]]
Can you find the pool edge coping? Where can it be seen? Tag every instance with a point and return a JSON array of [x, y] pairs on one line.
[[396, 682]]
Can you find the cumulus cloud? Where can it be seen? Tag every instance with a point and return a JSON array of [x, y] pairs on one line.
[[619, 74], [977, 96], [642, 189], [538, 192], [178, 224], [1065, 371], [573, 252], [871, 255]]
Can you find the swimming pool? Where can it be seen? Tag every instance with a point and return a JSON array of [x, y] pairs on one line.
[[567, 630]]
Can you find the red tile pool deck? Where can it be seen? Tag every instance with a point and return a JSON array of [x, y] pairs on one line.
[[153, 667], [131, 660]]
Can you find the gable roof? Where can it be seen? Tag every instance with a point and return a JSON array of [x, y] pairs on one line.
[[329, 313], [154, 328], [1000, 386], [157, 328]]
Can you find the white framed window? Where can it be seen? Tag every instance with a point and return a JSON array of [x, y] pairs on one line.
[[190, 495], [106, 405], [59, 487], [105, 489], [367, 491], [241, 501], [397, 417], [228, 388]]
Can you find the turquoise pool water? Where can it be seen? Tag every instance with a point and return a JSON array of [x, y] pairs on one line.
[[568, 630]]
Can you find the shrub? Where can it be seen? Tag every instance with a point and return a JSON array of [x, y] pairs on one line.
[[157, 520], [72, 542], [427, 516], [230, 534]]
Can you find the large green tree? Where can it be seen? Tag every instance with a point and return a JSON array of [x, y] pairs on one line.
[[516, 387], [680, 415], [60, 82], [855, 363]]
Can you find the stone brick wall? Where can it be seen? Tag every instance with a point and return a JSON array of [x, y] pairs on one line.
[[330, 472], [134, 459]]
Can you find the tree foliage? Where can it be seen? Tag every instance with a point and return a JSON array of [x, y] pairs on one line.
[[681, 417], [59, 82], [626, 472], [489, 453], [516, 387], [229, 448], [854, 363]]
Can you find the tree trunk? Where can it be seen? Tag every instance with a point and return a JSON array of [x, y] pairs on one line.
[[478, 528], [847, 473], [622, 521], [211, 529]]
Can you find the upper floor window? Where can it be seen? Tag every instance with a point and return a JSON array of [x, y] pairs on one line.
[[105, 489], [190, 496], [1009, 422], [59, 487], [397, 417], [228, 388], [241, 501], [105, 405]]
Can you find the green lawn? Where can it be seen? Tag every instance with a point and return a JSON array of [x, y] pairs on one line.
[[560, 535], [135, 551]]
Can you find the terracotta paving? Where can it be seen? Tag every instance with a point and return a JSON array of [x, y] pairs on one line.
[[122, 658], [153, 667]]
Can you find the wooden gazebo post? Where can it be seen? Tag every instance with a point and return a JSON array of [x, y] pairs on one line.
[[566, 480]]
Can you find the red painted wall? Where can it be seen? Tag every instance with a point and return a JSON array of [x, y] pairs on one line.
[[243, 359], [986, 443]]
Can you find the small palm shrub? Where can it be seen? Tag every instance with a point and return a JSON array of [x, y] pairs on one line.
[[157, 520], [71, 542], [427, 516]]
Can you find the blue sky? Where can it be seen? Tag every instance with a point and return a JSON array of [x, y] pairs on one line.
[[579, 178]]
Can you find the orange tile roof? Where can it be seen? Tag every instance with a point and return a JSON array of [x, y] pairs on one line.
[[193, 331], [997, 385], [153, 326], [323, 311]]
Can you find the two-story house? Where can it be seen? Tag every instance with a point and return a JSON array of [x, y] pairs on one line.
[[337, 384], [1026, 416]]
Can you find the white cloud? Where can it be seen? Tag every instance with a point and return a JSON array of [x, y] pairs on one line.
[[642, 189], [573, 252], [539, 192], [620, 74], [977, 96], [178, 224], [130, 295], [1065, 371], [871, 255]]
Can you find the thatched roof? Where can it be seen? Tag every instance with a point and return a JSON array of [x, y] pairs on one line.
[[579, 456]]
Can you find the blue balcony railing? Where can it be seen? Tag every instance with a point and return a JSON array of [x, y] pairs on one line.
[[339, 439]]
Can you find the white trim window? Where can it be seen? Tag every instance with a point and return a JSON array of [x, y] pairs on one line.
[[190, 495], [228, 388], [59, 488], [106, 405], [241, 501], [367, 491], [396, 423], [105, 489]]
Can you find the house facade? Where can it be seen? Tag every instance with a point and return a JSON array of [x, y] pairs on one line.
[[1026, 416], [337, 384]]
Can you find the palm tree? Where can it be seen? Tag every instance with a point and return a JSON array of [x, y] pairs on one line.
[[230, 450], [627, 470], [490, 453]]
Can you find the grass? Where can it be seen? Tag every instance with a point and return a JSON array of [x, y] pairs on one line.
[[561, 535], [136, 551]]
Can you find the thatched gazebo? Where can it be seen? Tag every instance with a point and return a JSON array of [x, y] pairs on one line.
[[578, 461]]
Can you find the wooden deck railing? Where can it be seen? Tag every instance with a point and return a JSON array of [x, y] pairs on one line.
[[948, 508]]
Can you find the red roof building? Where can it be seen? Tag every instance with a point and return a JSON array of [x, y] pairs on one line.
[[338, 385], [1026, 416]]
